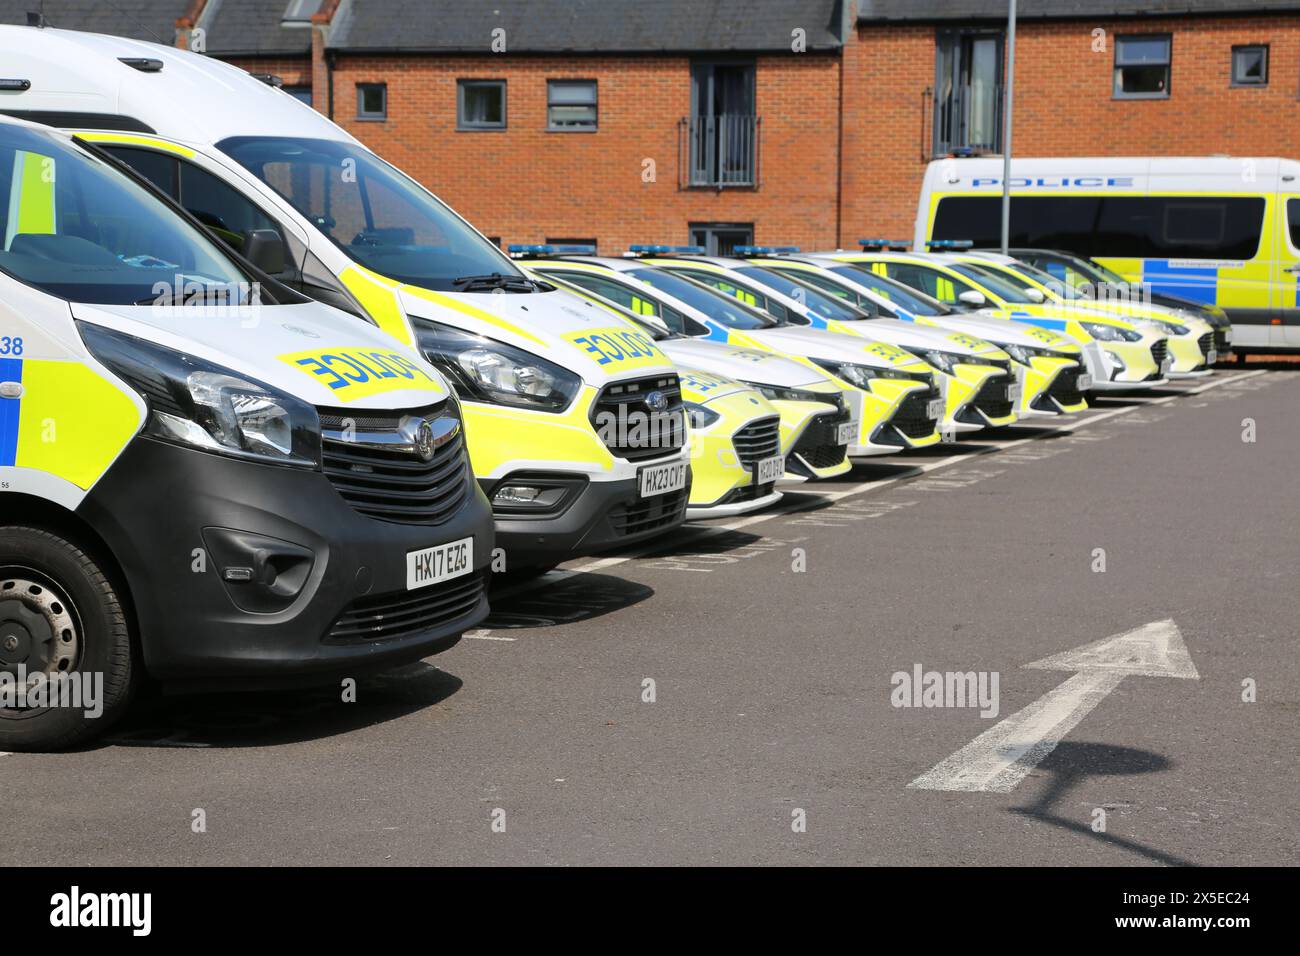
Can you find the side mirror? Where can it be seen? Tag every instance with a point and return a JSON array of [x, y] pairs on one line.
[[265, 249], [1035, 295], [973, 298]]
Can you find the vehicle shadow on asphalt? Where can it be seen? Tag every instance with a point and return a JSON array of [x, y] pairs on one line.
[[1071, 763], [274, 718], [563, 598]]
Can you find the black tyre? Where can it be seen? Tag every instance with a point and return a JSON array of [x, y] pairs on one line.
[[59, 615]]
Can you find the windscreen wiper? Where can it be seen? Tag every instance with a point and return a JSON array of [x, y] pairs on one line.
[[495, 280]]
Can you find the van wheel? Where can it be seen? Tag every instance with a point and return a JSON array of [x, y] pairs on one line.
[[62, 626]]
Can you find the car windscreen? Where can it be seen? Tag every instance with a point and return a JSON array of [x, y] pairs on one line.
[[1000, 284], [905, 297], [816, 302], [75, 227], [718, 306], [378, 216]]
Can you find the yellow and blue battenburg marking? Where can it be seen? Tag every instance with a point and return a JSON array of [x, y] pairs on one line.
[[353, 373], [11, 370]]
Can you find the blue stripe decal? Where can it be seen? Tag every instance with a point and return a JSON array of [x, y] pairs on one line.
[[1198, 284], [717, 333], [1028, 319], [11, 370]]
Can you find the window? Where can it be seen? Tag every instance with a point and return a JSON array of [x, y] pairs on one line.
[[723, 128], [1250, 66], [299, 12], [968, 98], [933, 283], [615, 292], [1293, 218], [301, 93], [721, 238], [225, 211], [1138, 227], [480, 104], [1142, 66], [571, 105], [372, 101]]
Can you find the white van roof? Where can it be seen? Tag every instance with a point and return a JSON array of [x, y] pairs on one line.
[[74, 72]]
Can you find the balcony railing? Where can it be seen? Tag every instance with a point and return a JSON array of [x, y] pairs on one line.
[[721, 150], [969, 118]]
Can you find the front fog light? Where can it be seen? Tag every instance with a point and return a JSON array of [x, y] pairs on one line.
[[1115, 360], [532, 496], [517, 495]]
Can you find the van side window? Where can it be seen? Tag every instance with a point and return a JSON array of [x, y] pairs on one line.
[[218, 206], [1293, 219], [1139, 227]]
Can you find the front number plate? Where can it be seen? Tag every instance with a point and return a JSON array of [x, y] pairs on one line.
[[1085, 382], [661, 479], [844, 433], [1212, 357], [769, 470], [439, 563], [935, 409]]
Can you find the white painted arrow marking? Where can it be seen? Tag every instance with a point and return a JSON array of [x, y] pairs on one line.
[[998, 759]]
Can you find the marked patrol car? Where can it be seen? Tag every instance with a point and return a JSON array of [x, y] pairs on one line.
[[1119, 356], [1048, 366], [974, 375], [534, 367], [894, 400], [1219, 230], [204, 476]]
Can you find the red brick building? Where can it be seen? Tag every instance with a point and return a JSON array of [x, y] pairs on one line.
[[782, 121]]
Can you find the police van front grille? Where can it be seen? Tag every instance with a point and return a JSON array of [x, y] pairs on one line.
[[620, 406], [649, 514], [758, 440], [401, 614], [383, 479]]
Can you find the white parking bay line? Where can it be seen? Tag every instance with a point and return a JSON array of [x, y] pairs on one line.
[[707, 531]]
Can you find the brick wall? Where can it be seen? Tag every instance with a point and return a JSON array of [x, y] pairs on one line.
[[1063, 104], [525, 183]]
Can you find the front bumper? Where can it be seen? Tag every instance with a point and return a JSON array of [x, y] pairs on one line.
[[1050, 387], [896, 417], [977, 398], [810, 440], [1127, 366], [176, 519], [600, 515], [1191, 355]]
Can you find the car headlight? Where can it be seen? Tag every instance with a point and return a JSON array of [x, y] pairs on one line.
[[1110, 333], [484, 370], [700, 417], [195, 403], [859, 375], [1025, 353], [775, 393], [946, 362], [1169, 328]]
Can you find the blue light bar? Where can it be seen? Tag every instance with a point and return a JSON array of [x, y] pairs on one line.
[[521, 249], [883, 243], [950, 244], [648, 250], [764, 250]]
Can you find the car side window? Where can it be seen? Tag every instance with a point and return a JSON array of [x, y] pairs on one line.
[[613, 291], [933, 283]]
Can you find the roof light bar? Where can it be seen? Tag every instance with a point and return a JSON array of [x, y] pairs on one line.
[[950, 244], [524, 249], [653, 250], [883, 243], [764, 250]]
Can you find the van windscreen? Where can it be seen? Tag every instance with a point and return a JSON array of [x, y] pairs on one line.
[[378, 216]]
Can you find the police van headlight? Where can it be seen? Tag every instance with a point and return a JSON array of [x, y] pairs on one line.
[[483, 370], [195, 403], [859, 375], [1110, 333]]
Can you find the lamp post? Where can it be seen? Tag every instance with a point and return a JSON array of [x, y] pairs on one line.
[[1006, 124]]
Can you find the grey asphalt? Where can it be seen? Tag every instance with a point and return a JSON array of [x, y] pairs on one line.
[[772, 686]]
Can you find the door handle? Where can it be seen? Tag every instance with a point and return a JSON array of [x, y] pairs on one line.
[[1295, 268]]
